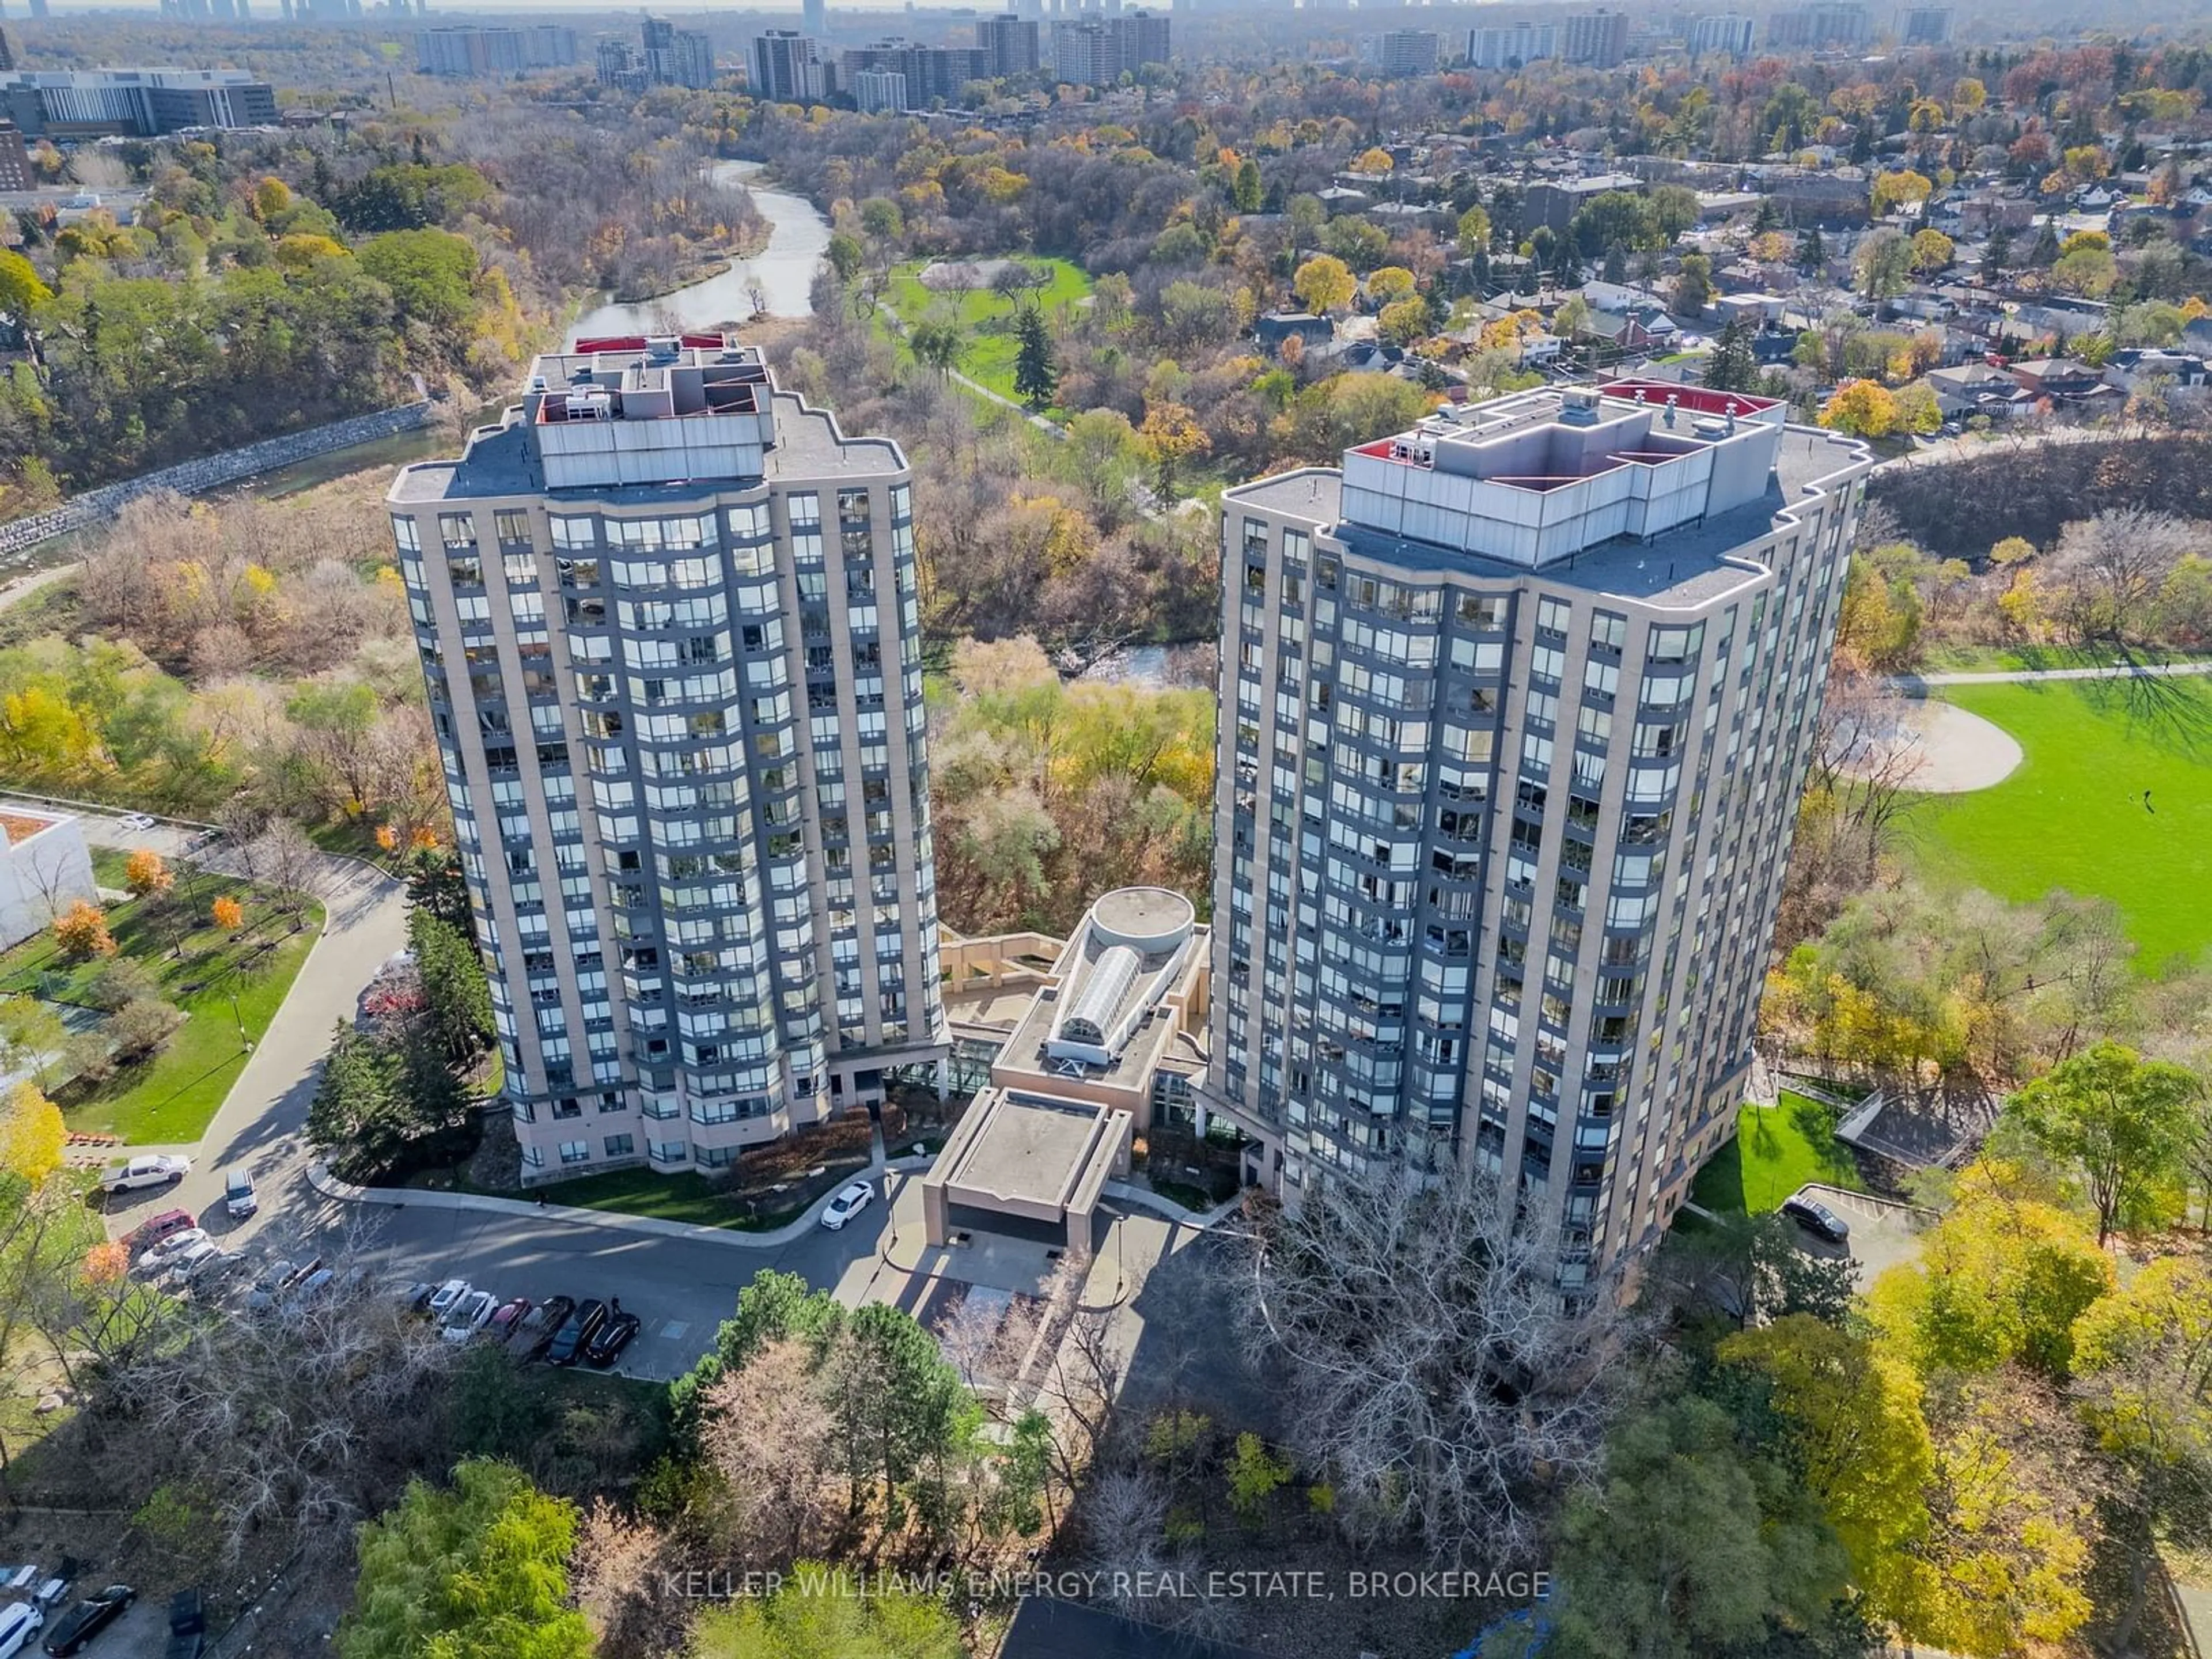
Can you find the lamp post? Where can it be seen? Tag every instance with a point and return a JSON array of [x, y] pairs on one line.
[[244, 1042]]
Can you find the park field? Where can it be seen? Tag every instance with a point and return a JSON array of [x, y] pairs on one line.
[[2074, 815], [986, 317]]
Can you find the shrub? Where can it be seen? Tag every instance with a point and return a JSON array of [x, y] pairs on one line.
[[140, 1027]]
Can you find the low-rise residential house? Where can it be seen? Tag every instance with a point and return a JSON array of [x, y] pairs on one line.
[[2064, 383], [1277, 326], [1644, 330], [1978, 389], [2177, 374]]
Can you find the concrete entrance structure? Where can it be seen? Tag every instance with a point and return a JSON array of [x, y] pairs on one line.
[[1110, 1031], [1020, 1156]]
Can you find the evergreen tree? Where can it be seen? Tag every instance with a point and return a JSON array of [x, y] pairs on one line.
[[457, 997], [1733, 366], [1998, 253], [2045, 253], [434, 884], [1037, 376], [1812, 250]]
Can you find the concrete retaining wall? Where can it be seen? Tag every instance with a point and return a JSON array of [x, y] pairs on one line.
[[97, 506]]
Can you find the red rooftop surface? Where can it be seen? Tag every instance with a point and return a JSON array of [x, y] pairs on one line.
[[638, 342], [1694, 398]]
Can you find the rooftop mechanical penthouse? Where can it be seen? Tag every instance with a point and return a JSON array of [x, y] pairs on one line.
[[667, 621], [1515, 708]]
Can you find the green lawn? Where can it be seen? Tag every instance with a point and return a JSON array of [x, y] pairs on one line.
[[169, 1099], [2073, 816], [986, 317], [1776, 1150], [686, 1196]]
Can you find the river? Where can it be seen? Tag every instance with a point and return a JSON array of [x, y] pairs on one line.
[[798, 236]]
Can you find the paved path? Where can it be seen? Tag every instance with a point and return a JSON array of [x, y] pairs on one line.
[[1913, 685], [1950, 450]]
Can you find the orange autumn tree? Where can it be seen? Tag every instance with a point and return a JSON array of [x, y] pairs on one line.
[[228, 913], [146, 873], [81, 933]]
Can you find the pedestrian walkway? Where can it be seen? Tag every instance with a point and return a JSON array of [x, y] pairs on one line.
[[1914, 685]]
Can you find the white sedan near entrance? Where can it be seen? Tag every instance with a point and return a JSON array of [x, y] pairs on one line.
[[851, 1200]]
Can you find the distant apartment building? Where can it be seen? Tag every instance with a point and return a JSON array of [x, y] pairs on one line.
[[1096, 51], [133, 103], [1555, 202], [791, 68], [618, 64], [1824, 23], [1401, 52], [814, 16], [1010, 46], [15, 159], [1515, 709], [1730, 32], [475, 51], [1925, 26], [1598, 39], [668, 622], [669, 57], [1512, 44], [932, 74], [880, 92], [7, 52]]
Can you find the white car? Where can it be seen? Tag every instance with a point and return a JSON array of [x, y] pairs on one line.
[[18, 1624], [152, 1169], [444, 1299], [165, 1254], [851, 1200], [469, 1315], [131, 821], [237, 1196], [186, 1265]]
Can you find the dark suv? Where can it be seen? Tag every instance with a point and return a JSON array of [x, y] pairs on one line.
[[1818, 1218], [568, 1344]]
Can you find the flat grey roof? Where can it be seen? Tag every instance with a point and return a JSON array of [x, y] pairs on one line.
[[496, 464], [1683, 567], [1029, 1149]]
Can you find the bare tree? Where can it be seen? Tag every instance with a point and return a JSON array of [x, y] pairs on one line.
[[1433, 1366], [305, 1416], [2112, 566], [767, 1430]]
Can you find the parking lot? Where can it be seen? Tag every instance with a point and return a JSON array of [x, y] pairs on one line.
[[1883, 1233]]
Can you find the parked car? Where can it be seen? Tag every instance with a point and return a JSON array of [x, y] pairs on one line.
[[851, 1200], [154, 1260], [539, 1326], [155, 1228], [153, 1169], [414, 1296], [507, 1319], [443, 1298], [136, 821], [469, 1316], [239, 1198], [88, 1618], [189, 1263], [607, 1343], [306, 1289], [18, 1624], [1818, 1218], [267, 1288], [579, 1328]]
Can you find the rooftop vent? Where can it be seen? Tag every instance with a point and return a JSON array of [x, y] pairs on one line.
[[1578, 407], [662, 348], [1709, 427]]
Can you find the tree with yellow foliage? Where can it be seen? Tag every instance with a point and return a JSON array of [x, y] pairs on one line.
[[1864, 408], [1374, 163], [1391, 282], [1169, 436], [32, 1134], [1324, 283], [228, 913]]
